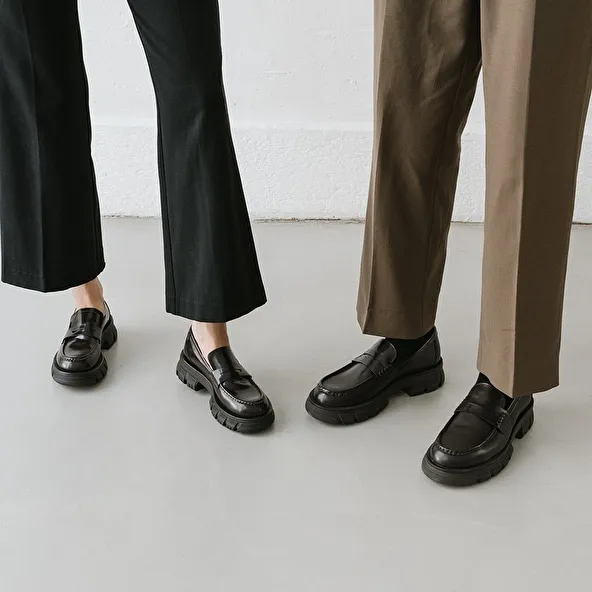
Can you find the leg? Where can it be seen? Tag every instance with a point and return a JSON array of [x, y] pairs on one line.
[[51, 237], [537, 58], [49, 212], [427, 64], [212, 270], [211, 264]]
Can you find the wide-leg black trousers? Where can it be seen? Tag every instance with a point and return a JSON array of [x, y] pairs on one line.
[[49, 212]]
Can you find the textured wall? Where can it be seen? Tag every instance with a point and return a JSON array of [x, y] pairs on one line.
[[299, 83]]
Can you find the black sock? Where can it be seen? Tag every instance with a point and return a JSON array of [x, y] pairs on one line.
[[407, 347], [483, 378]]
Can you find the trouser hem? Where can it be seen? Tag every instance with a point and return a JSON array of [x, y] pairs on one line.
[[391, 323], [508, 384], [208, 313], [37, 283]]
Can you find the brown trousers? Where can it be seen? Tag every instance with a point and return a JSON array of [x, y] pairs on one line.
[[537, 65]]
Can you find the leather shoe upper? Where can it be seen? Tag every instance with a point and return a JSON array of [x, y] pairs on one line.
[[481, 428], [234, 387], [372, 371], [80, 350]]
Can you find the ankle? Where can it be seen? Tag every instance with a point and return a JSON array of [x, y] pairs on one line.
[[210, 336], [89, 295], [407, 347]]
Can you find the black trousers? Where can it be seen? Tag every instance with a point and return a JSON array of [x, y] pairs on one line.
[[49, 212]]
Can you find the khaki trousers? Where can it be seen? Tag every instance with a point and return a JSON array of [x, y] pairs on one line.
[[536, 57]]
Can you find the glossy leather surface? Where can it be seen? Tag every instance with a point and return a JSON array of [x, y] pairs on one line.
[[80, 350], [234, 388], [481, 428], [372, 371]]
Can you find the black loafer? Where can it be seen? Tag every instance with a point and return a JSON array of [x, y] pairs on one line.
[[236, 401], [80, 360], [362, 389], [476, 444]]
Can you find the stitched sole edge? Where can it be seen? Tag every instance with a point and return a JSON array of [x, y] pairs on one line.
[[88, 378], [413, 385], [484, 472], [195, 380], [250, 425]]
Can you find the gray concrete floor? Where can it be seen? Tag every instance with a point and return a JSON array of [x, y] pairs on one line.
[[134, 487]]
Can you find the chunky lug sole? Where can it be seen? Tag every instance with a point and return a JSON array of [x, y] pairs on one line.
[[196, 380], [484, 472], [94, 375], [413, 385]]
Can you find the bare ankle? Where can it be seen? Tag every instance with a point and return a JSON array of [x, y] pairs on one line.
[[210, 336], [89, 295]]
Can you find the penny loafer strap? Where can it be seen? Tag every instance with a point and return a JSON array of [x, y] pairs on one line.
[[90, 330], [371, 362], [379, 358], [494, 417], [222, 375]]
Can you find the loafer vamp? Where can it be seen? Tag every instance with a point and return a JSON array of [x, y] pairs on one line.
[[243, 398], [81, 348], [79, 355], [232, 386], [349, 386]]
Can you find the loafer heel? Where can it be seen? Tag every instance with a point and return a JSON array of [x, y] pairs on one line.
[[188, 376], [109, 337], [425, 382], [527, 423]]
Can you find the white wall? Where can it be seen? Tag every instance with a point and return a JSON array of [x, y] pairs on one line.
[[299, 84]]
